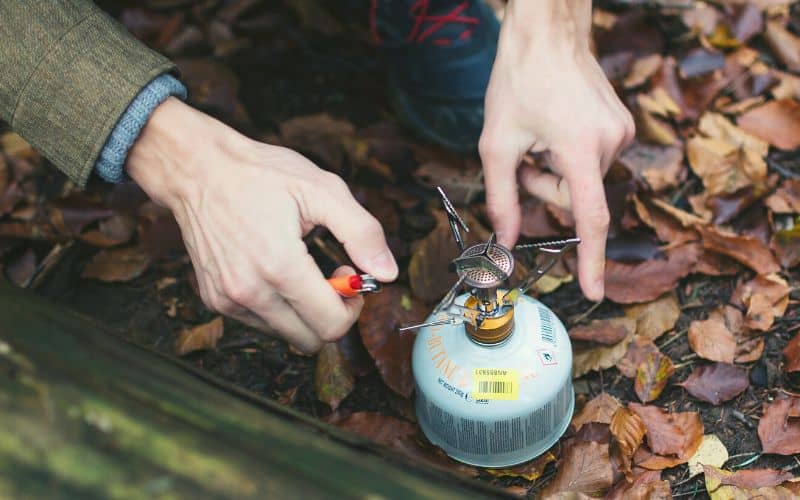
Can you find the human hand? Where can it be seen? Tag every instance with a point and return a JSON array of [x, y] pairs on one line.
[[243, 208], [548, 93]]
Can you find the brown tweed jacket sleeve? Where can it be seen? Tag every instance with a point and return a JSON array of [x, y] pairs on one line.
[[67, 73]]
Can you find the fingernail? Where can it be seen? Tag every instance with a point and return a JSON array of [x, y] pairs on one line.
[[384, 266]]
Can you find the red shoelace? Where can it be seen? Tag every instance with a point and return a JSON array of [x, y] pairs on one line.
[[419, 10]]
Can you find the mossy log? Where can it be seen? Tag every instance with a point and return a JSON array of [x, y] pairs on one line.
[[86, 414]]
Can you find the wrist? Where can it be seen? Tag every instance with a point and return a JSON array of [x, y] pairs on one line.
[[553, 25], [169, 160]]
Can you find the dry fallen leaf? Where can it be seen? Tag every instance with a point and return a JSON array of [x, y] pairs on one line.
[[333, 379], [784, 44], [660, 166], [747, 484], [785, 199], [765, 297], [530, 471], [200, 337], [656, 317], [727, 159], [603, 331], [792, 354], [777, 122], [638, 351], [600, 358], [711, 452], [779, 427], [676, 433], [643, 68], [382, 315], [716, 383], [712, 339], [745, 249], [600, 409], [584, 468], [653, 277], [320, 136], [628, 431], [652, 375], [119, 264], [646, 485]]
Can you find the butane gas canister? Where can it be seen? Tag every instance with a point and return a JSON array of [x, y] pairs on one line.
[[493, 366]]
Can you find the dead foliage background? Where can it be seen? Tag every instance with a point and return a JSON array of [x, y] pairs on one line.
[[687, 376]]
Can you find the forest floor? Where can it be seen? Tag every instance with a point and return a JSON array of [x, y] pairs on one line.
[[698, 334]]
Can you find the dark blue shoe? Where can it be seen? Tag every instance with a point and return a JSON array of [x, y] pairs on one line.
[[439, 56]]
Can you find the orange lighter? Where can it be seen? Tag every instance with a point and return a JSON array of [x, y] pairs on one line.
[[355, 284]]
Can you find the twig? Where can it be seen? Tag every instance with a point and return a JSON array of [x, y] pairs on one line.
[[672, 339], [747, 462], [577, 319]]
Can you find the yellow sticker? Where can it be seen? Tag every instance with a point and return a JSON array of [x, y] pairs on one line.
[[495, 383]]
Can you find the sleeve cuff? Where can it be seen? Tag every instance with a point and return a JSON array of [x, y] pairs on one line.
[[111, 162]]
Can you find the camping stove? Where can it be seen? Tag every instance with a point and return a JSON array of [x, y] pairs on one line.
[[493, 366]]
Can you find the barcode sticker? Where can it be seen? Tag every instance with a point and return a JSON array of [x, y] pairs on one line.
[[495, 383]]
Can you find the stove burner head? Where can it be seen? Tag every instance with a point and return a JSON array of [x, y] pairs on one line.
[[482, 274]]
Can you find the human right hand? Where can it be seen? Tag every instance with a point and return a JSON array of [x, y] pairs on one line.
[[243, 208], [548, 94]]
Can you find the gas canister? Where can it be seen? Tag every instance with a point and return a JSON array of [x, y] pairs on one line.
[[493, 365]]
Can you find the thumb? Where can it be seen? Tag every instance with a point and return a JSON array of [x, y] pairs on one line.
[[359, 232], [502, 199]]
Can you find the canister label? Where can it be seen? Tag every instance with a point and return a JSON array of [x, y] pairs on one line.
[[495, 383]]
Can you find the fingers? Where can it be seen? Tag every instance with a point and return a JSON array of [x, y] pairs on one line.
[[590, 210], [548, 187], [502, 199], [359, 232], [304, 288]]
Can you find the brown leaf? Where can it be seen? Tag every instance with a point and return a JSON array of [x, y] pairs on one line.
[[777, 122], [712, 339], [646, 459], [748, 250], [600, 358], [676, 433], [714, 264], [785, 199], [428, 455], [382, 315], [319, 136], [660, 166], [537, 221], [116, 230], [584, 468], [784, 44], [779, 427], [600, 409], [530, 471], [638, 351], [792, 354], [628, 431], [653, 278], [376, 427], [213, 87], [199, 337], [726, 158], [429, 269], [751, 478], [666, 227], [646, 485], [652, 376], [655, 318], [119, 264], [603, 331], [765, 297], [461, 184], [716, 383], [643, 68], [333, 379]]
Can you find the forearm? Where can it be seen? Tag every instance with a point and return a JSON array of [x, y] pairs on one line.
[[67, 74]]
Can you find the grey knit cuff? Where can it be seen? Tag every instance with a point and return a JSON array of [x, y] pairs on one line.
[[111, 162]]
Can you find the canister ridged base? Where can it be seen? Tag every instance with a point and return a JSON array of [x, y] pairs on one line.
[[525, 455]]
